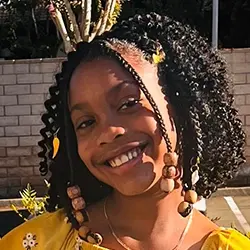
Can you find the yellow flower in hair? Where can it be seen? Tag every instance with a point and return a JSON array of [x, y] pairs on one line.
[[158, 57]]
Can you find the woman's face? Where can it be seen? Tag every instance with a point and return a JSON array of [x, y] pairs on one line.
[[117, 134]]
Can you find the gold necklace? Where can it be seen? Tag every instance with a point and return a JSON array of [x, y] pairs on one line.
[[184, 233]]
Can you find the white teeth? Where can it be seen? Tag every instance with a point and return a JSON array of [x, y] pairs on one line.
[[112, 163], [117, 161], [124, 158], [130, 156], [134, 154]]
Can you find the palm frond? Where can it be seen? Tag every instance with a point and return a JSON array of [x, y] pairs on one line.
[[87, 20], [105, 17], [114, 16], [75, 22]]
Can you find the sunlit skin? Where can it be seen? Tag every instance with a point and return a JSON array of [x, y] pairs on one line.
[[122, 119], [111, 116]]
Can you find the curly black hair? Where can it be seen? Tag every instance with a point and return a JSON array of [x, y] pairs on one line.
[[192, 76]]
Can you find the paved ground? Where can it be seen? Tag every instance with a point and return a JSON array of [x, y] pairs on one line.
[[232, 210]]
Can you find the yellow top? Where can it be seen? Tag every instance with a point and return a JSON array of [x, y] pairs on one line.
[[51, 231]]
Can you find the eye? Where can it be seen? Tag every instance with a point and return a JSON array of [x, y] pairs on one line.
[[131, 102], [85, 124]]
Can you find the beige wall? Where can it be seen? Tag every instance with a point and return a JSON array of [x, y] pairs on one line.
[[23, 89], [239, 65]]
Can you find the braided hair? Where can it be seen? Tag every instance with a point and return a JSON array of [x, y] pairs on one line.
[[194, 79]]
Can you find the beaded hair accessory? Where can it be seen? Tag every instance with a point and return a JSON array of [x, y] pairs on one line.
[[81, 216]]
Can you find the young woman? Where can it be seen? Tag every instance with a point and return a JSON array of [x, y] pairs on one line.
[[145, 122]]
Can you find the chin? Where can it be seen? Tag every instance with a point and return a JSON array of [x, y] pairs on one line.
[[136, 187]]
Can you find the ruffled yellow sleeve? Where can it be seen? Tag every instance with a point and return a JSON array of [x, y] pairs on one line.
[[226, 239], [49, 231]]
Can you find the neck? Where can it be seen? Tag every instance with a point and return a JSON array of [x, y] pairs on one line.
[[147, 212]]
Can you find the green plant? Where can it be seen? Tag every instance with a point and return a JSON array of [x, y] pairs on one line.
[[31, 203]]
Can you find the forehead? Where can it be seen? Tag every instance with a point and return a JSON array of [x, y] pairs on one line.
[[105, 72], [98, 71]]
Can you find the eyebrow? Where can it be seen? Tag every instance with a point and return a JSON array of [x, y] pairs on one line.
[[78, 106], [119, 87], [114, 90]]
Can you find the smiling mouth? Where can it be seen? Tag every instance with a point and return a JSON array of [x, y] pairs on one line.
[[125, 157]]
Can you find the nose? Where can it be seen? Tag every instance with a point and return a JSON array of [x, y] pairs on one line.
[[109, 133]]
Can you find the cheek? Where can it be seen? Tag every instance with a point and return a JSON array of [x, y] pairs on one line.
[[147, 122], [144, 119], [84, 151], [159, 144]]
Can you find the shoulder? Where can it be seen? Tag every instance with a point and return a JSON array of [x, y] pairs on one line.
[[45, 232], [36, 231], [43, 222], [229, 239]]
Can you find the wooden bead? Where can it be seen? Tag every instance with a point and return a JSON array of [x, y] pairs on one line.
[[91, 239], [171, 159], [191, 196], [94, 238], [78, 203], [169, 172], [79, 217], [83, 231], [167, 185], [184, 208], [99, 238], [73, 192]]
